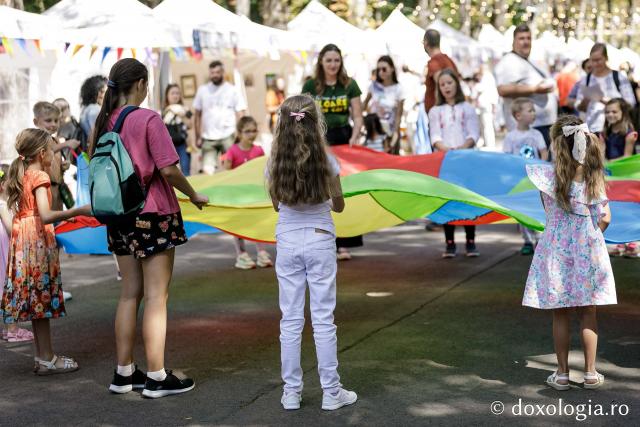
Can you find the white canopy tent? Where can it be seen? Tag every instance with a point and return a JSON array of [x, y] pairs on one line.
[[489, 36], [402, 40], [24, 70], [115, 23], [321, 26]]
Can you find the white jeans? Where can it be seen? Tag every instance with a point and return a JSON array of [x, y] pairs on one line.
[[307, 257]]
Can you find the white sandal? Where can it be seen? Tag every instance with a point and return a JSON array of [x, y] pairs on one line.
[[44, 367], [552, 381], [593, 376]]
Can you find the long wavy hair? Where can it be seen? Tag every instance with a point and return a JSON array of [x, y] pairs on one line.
[[625, 108], [29, 143], [125, 73], [565, 165], [299, 171], [320, 77]]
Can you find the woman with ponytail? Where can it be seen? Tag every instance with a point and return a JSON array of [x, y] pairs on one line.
[[33, 289], [145, 244], [571, 267]]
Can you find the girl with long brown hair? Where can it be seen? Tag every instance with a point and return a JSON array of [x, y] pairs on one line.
[[304, 184], [571, 266], [338, 96], [33, 289], [145, 244]]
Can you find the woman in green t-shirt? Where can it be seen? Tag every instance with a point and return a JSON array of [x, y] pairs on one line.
[[338, 96]]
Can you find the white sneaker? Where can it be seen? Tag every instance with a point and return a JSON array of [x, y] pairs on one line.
[[264, 260], [291, 400], [66, 295], [244, 262], [343, 398]]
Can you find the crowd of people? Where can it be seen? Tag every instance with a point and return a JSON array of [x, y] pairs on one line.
[[304, 186]]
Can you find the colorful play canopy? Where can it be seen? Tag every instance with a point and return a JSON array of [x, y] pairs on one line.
[[458, 187]]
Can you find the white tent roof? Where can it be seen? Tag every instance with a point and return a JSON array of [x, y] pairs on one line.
[[115, 23], [322, 26], [228, 28], [18, 24], [453, 37], [403, 39], [489, 36]]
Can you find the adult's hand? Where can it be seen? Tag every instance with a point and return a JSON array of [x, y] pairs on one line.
[[543, 88]]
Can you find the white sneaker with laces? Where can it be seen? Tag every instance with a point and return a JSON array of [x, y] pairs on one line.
[[244, 262], [264, 260], [291, 400], [331, 402]]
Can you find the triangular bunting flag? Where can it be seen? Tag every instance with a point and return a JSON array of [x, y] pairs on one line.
[[133, 53], [76, 49], [7, 45], [104, 53], [2, 49], [119, 50], [23, 45], [37, 43], [172, 55], [93, 50], [66, 46]]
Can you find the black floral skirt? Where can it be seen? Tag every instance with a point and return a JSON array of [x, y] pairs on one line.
[[146, 234]]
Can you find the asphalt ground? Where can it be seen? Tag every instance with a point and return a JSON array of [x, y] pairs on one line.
[[422, 340]]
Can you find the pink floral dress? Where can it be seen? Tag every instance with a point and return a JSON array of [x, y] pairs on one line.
[[571, 266]]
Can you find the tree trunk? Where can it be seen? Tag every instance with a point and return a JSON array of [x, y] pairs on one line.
[[497, 17], [16, 4], [425, 11], [243, 7], [274, 13]]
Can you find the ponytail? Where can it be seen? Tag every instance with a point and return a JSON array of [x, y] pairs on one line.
[[123, 76], [29, 143]]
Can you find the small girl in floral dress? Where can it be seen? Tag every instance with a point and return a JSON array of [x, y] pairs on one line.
[[33, 290], [571, 266]]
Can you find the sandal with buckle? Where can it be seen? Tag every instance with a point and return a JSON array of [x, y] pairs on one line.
[[552, 381], [21, 335], [593, 376], [44, 367]]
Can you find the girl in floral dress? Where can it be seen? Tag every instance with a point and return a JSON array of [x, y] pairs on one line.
[[571, 267], [33, 290]]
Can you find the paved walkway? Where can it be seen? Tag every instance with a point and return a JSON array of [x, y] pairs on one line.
[[422, 340]]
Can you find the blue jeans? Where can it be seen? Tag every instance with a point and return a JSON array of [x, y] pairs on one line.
[[185, 159]]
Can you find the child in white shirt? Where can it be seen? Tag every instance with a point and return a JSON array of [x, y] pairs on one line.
[[529, 143]]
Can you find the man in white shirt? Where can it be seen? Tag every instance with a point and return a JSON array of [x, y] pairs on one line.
[[218, 106], [517, 77]]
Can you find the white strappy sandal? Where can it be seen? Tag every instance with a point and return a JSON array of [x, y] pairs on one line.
[[44, 367], [552, 381], [593, 376]]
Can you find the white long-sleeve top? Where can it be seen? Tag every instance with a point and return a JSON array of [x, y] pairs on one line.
[[452, 125]]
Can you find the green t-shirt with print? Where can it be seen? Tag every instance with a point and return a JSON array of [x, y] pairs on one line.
[[334, 102]]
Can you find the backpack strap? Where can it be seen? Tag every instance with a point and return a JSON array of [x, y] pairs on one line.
[[616, 80], [123, 115], [588, 79]]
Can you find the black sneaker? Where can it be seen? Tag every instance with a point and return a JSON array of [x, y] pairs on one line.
[[472, 251], [527, 249], [450, 250], [171, 385], [121, 384]]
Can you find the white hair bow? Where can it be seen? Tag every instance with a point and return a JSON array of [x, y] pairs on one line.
[[579, 140]]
